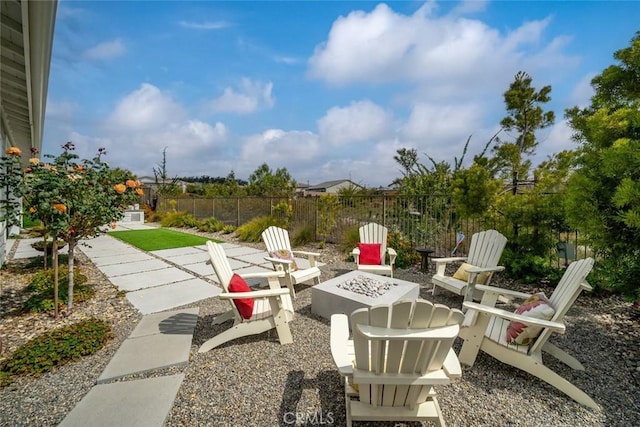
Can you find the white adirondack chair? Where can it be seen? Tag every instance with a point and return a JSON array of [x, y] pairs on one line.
[[272, 307], [485, 329], [398, 354], [484, 254], [376, 233], [276, 238]]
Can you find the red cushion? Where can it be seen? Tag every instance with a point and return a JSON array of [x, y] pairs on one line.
[[244, 305], [369, 253]]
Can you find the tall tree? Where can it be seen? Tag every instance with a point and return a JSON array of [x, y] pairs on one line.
[[264, 182], [525, 116], [604, 193]]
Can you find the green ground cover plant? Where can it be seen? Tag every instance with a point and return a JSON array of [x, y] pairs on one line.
[[42, 289], [158, 238], [55, 348]]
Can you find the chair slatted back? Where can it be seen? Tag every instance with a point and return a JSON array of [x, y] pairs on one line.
[[572, 283], [223, 270], [486, 248], [375, 233], [276, 238], [401, 350]]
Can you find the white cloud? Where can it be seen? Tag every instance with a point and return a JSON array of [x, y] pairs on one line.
[[106, 50], [583, 91], [277, 147], [143, 110], [250, 96], [360, 121], [385, 46], [207, 25]]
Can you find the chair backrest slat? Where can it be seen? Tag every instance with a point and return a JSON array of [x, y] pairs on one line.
[[276, 238], [222, 268], [375, 233], [486, 248], [567, 291], [404, 354]]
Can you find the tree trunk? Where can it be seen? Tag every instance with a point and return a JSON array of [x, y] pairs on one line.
[[72, 246], [56, 272]]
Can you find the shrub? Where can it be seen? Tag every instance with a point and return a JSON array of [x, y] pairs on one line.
[[228, 229], [407, 254], [252, 230], [210, 225], [301, 235], [350, 241], [179, 219], [42, 288], [56, 348]]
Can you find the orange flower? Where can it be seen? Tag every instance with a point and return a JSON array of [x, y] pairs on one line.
[[27, 170], [138, 183], [34, 161], [60, 207], [32, 209], [113, 225], [13, 151], [79, 168], [120, 188], [139, 191], [131, 183]]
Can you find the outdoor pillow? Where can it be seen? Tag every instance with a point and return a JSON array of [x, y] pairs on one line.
[[463, 275], [536, 306], [286, 255], [369, 253], [244, 305]]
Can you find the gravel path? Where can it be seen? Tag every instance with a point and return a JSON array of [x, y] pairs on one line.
[[254, 381]]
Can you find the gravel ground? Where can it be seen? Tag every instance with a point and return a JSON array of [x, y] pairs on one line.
[[254, 381]]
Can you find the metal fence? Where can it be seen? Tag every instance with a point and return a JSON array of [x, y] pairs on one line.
[[428, 220]]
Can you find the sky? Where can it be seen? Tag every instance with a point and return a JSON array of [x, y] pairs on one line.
[[326, 89]]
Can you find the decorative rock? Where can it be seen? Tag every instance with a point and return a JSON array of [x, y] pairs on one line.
[[366, 286]]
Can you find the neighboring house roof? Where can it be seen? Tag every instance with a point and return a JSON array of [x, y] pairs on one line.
[[324, 186], [26, 33]]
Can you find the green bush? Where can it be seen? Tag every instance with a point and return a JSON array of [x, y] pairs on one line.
[[56, 348], [228, 229], [528, 268], [179, 219], [38, 262], [302, 234], [41, 286], [617, 274], [350, 241], [407, 254], [252, 230], [210, 225]]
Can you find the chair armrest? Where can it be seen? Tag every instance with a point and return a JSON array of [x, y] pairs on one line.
[[501, 291], [451, 365], [284, 262], [529, 321], [306, 253], [392, 256], [266, 293], [450, 259], [441, 264], [484, 269], [355, 251], [262, 275], [339, 344]]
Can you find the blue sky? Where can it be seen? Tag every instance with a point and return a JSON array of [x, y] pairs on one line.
[[327, 90]]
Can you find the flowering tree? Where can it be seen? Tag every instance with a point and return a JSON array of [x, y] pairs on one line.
[[76, 199]]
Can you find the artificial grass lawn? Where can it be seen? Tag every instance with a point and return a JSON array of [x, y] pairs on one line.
[[159, 238]]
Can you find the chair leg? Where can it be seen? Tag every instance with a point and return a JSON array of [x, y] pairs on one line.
[[562, 356], [537, 369], [223, 318]]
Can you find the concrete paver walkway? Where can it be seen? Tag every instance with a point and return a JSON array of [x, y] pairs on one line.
[[156, 283]]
